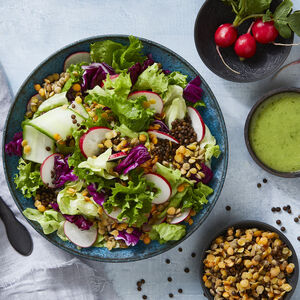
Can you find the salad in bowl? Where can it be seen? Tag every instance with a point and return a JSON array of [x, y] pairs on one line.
[[113, 150]]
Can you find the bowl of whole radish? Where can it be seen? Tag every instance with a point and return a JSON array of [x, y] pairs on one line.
[[245, 40]]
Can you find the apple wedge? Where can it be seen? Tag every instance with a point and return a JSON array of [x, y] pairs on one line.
[[163, 136], [155, 100], [184, 214], [197, 123], [161, 183], [89, 142], [76, 58], [81, 238], [47, 169]]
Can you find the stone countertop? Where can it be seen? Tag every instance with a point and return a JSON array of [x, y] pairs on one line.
[[32, 30]]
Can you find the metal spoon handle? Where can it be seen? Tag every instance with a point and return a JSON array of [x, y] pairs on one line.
[[17, 234]]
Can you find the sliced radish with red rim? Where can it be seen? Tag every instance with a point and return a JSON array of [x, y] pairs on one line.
[[163, 136], [89, 142], [76, 58], [117, 156], [197, 123], [81, 238], [161, 183], [114, 214], [184, 214], [47, 170], [157, 104]]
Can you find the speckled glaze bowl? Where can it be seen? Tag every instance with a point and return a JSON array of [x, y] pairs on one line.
[[212, 116]]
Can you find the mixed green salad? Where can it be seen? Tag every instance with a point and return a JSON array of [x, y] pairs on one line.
[[113, 150]]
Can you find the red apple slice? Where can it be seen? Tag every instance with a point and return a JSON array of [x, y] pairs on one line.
[[157, 104], [164, 186], [47, 169], [184, 214], [89, 142], [112, 78], [81, 238], [197, 123], [163, 136], [75, 58], [117, 155]]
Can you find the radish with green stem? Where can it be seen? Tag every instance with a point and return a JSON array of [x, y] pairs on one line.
[[245, 46], [225, 36]]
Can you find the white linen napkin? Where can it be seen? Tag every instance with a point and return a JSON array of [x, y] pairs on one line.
[[49, 273]]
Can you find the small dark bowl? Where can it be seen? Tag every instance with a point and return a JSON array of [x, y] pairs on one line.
[[246, 133], [292, 280], [266, 61]]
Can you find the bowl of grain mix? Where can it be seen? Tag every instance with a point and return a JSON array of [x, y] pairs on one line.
[[249, 260]]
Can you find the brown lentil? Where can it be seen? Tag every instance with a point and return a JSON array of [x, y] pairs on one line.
[[298, 238], [48, 148], [284, 208], [169, 279], [139, 288], [180, 249], [145, 297], [171, 295], [228, 208], [278, 222], [183, 131], [186, 270], [265, 180], [180, 291], [193, 254], [296, 219], [259, 185], [282, 228], [278, 209], [167, 261]]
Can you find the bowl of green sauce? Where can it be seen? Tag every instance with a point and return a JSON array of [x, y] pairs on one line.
[[272, 132]]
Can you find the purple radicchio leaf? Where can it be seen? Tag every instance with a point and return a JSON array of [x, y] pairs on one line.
[[163, 126], [131, 239], [193, 92], [94, 74], [78, 220], [14, 147], [207, 172], [62, 171], [137, 156], [99, 198], [147, 63]]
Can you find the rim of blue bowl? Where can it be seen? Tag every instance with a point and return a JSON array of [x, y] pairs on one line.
[[217, 193], [252, 224]]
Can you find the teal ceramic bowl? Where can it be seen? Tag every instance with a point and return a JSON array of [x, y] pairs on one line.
[[212, 116]]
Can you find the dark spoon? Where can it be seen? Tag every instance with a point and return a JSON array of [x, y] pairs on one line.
[[17, 234]]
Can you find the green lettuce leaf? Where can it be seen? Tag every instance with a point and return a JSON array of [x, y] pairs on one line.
[[50, 220], [130, 112], [125, 131], [165, 232], [174, 91], [74, 203], [209, 143], [119, 56], [29, 179], [76, 73], [196, 197], [120, 86], [176, 110], [152, 79], [177, 78], [100, 241], [134, 199], [100, 165]]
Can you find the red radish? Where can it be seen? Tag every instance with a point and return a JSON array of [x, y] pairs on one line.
[[75, 58], [112, 78], [197, 123], [81, 238], [184, 214], [157, 104], [118, 155], [245, 46], [30, 101], [264, 32], [47, 169], [114, 214], [163, 136], [225, 35], [161, 183], [89, 142]]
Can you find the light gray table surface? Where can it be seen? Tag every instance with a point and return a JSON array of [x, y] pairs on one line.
[[32, 30]]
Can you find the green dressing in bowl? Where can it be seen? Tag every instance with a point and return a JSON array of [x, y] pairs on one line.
[[274, 132]]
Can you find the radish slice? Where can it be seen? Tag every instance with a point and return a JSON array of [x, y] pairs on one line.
[[116, 156], [184, 214], [164, 186], [88, 143], [81, 238], [112, 78], [158, 104], [197, 123], [29, 102], [114, 214], [163, 136], [76, 58], [46, 169]]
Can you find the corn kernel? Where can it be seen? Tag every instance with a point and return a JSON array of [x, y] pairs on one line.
[[27, 149], [146, 240], [76, 87], [24, 143], [142, 138], [41, 208], [78, 100], [37, 87], [42, 92], [56, 136]]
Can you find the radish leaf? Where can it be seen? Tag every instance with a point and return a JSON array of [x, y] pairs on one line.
[[294, 22]]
